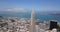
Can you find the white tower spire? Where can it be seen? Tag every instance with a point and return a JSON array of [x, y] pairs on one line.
[[32, 23]]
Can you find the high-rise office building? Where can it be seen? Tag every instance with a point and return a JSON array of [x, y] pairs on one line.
[[32, 23], [53, 24]]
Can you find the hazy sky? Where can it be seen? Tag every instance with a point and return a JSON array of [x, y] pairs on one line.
[[23, 5]]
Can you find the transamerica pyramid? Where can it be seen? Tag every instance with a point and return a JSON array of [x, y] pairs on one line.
[[32, 23]]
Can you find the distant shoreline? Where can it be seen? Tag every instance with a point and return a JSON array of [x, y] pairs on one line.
[[54, 14]]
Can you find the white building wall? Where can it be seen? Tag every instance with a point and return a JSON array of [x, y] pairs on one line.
[[37, 28]]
